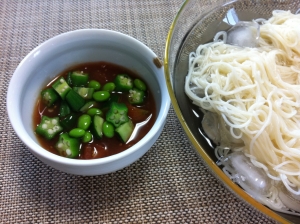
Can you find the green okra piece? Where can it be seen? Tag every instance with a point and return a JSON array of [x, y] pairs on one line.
[[117, 114], [78, 78], [61, 87], [49, 127], [67, 146], [49, 96], [136, 96], [123, 82]]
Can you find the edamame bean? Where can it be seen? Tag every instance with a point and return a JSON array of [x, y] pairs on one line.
[[101, 96], [77, 133], [94, 84], [140, 84], [84, 121], [108, 129], [94, 111], [109, 87], [87, 137]]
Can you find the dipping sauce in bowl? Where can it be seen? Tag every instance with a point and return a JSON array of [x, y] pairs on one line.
[[83, 51], [102, 80]]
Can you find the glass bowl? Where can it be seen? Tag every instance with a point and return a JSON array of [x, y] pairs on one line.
[[196, 23]]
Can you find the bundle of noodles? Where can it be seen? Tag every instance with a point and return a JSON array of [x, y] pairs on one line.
[[256, 92]]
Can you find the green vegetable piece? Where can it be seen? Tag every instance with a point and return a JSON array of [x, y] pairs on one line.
[[94, 84], [101, 96], [87, 137], [77, 132], [94, 111], [75, 101], [85, 93], [123, 82], [49, 127], [49, 96], [125, 130], [61, 87], [67, 146], [109, 87], [117, 114], [69, 80], [69, 121], [108, 129], [139, 84], [88, 105], [84, 121], [96, 126], [136, 96], [114, 97], [64, 109], [79, 78]]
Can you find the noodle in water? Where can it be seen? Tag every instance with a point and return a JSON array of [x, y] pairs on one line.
[[254, 95]]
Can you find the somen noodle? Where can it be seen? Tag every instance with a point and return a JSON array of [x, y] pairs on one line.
[[255, 93]]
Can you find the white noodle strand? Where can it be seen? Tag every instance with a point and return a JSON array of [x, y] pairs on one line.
[[256, 91]]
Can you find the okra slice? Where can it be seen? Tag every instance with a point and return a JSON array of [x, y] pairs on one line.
[[96, 126], [125, 130], [85, 93], [136, 96], [61, 87], [49, 127], [49, 96], [78, 78], [140, 84], [123, 82], [67, 146], [75, 101], [117, 114]]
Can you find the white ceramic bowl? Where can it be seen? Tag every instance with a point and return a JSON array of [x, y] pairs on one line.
[[59, 53]]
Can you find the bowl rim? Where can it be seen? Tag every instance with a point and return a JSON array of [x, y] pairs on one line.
[[197, 147], [36, 149]]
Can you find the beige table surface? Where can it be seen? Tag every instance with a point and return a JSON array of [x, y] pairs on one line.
[[167, 185]]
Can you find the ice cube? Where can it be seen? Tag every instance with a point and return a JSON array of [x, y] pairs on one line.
[[243, 34]]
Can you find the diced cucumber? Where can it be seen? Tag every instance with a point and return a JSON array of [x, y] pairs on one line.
[[96, 126], [125, 130], [88, 105], [85, 93]]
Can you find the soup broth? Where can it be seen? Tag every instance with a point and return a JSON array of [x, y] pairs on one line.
[[142, 115]]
